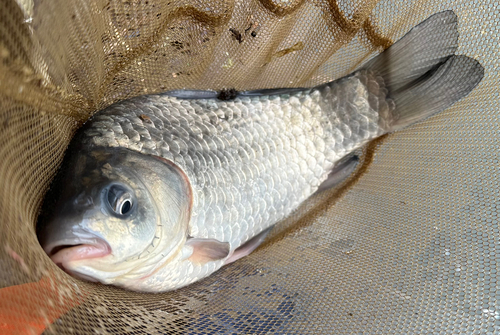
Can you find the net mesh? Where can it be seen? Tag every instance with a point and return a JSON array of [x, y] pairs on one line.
[[409, 244]]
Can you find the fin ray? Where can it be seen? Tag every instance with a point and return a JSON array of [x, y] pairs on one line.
[[207, 250], [421, 72], [248, 247], [339, 174]]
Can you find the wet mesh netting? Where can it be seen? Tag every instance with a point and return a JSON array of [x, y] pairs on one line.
[[408, 245]]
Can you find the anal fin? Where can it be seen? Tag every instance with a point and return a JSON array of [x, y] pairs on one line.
[[339, 173]]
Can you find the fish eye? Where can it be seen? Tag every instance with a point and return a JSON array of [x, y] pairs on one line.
[[120, 200]]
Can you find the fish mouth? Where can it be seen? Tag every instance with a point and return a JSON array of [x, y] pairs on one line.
[[66, 251]]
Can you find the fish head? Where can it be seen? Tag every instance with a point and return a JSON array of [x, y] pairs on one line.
[[114, 215]]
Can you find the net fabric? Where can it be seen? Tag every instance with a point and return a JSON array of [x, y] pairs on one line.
[[409, 244]]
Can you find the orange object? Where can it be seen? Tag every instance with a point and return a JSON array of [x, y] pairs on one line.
[[31, 308]]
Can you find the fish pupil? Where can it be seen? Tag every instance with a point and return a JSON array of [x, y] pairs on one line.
[[126, 206]]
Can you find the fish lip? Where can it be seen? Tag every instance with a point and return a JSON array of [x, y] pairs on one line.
[[78, 252], [87, 249], [52, 248]]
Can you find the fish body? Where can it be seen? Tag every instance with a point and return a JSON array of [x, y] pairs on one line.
[[252, 160], [159, 191]]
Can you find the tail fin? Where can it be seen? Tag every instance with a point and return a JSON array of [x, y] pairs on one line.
[[421, 72]]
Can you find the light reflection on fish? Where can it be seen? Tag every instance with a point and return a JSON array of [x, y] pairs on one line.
[[159, 191]]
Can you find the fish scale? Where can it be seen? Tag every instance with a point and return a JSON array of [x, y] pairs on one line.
[[267, 152]]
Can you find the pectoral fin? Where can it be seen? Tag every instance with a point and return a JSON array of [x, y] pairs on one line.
[[248, 247], [207, 250]]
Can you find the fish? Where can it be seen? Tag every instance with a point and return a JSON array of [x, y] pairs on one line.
[[159, 191]]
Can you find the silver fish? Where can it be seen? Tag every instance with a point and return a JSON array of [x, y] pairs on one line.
[[159, 191]]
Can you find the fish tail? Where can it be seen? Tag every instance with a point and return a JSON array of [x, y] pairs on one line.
[[421, 72]]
